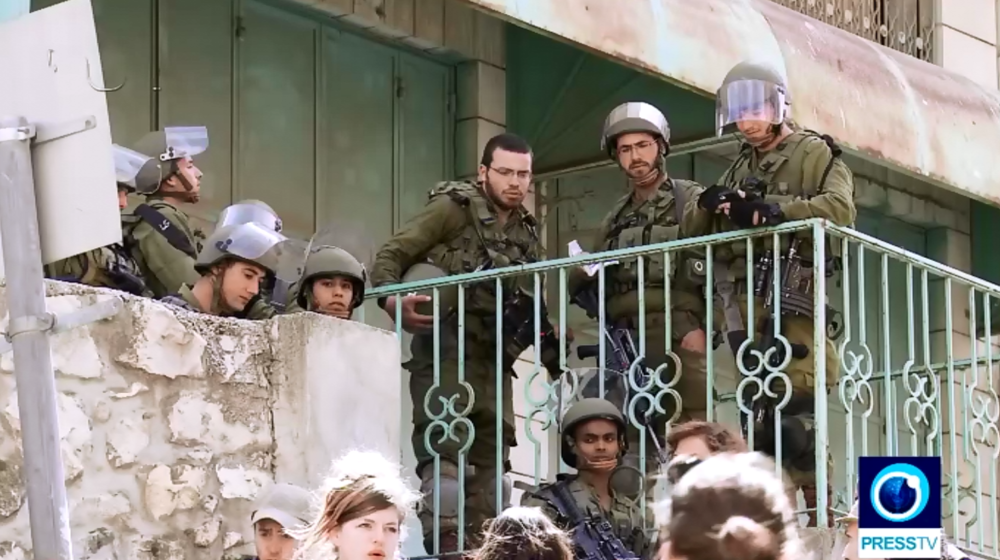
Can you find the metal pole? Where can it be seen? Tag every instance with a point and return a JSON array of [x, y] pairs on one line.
[[28, 332]]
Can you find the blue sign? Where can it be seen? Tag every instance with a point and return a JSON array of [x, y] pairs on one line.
[[899, 507]]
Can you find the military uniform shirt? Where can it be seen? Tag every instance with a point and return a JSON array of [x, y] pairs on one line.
[[624, 516], [792, 173], [164, 267]]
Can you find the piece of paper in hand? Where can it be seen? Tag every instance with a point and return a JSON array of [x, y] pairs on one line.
[[575, 250]]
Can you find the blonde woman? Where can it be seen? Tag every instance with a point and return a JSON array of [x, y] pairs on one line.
[[365, 504], [730, 506]]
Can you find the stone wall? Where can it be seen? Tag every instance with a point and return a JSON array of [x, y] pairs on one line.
[[172, 422]]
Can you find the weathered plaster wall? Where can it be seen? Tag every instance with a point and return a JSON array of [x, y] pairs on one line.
[[172, 422]]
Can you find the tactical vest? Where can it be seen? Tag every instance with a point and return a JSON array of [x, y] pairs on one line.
[[110, 266], [779, 177], [765, 178], [485, 244], [655, 221]]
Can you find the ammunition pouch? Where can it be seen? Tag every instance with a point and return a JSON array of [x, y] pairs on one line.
[[648, 234], [796, 287]]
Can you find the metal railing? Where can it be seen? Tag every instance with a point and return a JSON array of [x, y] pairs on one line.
[[902, 25], [910, 379]]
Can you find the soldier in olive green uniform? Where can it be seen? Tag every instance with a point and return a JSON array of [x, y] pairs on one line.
[[593, 442], [465, 227], [780, 175], [233, 264], [158, 233], [333, 283], [271, 297], [637, 136], [111, 266]]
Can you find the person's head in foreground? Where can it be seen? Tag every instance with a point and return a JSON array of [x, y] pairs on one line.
[[731, 506], [524, 533], [365, 503], [281, 509], [692, 442]]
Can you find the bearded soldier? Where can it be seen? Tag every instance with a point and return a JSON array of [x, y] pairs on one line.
[[637, 137], [780, 175], [466, 227], [158, 233]]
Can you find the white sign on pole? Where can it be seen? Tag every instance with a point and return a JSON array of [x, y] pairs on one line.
[[51, 68]]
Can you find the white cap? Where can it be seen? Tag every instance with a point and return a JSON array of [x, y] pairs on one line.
[[287, 504]]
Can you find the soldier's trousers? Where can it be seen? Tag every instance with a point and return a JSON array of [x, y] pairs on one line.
[[801, 372], [445, 425]]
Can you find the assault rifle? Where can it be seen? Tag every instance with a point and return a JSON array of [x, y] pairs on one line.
[[593, 538], [623, 354], [794, 302], [519, 332]]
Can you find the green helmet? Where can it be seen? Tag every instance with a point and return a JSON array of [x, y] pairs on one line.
[[247, 211], [165, 147], [753, 88], [633, 116], [582, 411], [328, 261], [249, 242], [448, 296]]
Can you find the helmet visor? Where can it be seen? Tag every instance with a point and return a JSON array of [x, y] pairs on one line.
[[128, 163], [250, 241], [243, 213], [184, 141], [748, 100]]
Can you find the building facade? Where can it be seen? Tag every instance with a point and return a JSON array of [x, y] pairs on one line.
[[343, 113]]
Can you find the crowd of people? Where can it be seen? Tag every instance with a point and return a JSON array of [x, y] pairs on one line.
[[724, 503]]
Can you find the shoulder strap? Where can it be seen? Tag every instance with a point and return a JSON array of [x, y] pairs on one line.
[[558, 495], [835, 153], [166, 228], [680, 198]]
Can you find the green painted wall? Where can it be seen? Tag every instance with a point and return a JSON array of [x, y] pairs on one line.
[[559, 95], [325, 125]]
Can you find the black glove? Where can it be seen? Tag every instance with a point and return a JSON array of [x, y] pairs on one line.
[[715, 196], [741, 212]]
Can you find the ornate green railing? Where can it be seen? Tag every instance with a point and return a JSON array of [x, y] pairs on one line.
[[911, 379]]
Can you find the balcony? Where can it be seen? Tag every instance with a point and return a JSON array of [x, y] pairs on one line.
[[904, 25], [910, 379]]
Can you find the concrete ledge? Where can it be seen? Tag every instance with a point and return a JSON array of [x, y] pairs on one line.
[[172, 422]]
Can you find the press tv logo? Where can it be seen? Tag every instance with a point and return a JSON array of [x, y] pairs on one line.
[[899, 507]]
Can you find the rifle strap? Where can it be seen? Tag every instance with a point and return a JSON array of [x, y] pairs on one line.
[[167, 229], [560, 497], [725, 286]]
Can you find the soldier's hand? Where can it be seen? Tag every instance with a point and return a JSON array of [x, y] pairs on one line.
[[695, 341], [413, 322], [755, 213], [715, 199]]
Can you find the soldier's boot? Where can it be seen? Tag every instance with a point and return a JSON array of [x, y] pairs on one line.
[[448, 489], [809, 494]]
